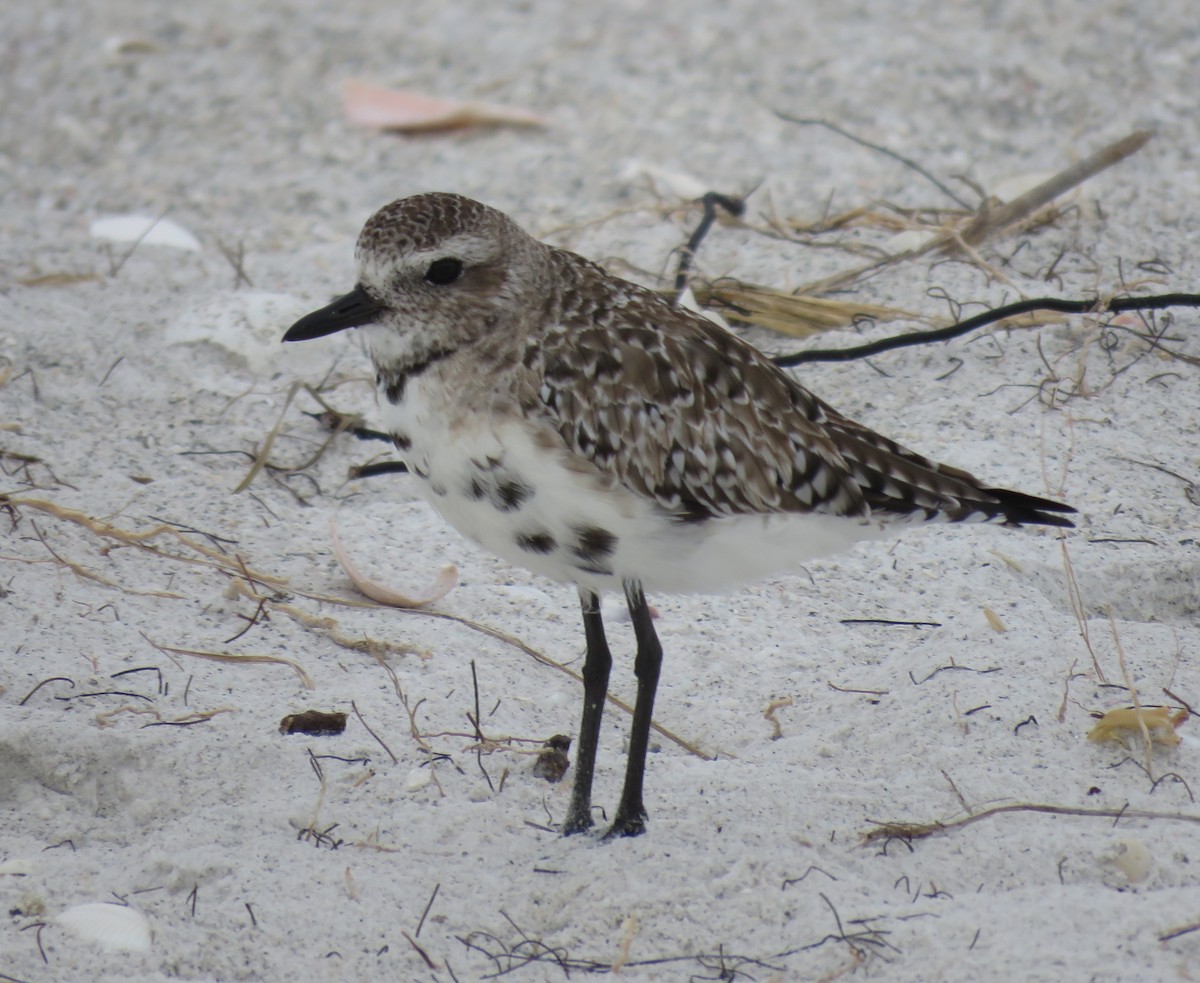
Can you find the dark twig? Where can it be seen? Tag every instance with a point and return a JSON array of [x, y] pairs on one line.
[[107, 692], [992, 220], [1190, 491], [888, 621], [52, 679], [811, 867], [911, 831], [378, 739], [873, 936], [1177, 932], [478, 731], [129, 672], [711, 201], [906, 161], [420, 952], [119, 360], [251, 620], [428, 905], [236, 257], [1179, 778], [115, 265], [1095, 305], [1182, 702], [475, 688], [507, 958], [982, 672]]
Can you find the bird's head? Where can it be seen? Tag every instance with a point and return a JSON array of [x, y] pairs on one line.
[[435, 271]]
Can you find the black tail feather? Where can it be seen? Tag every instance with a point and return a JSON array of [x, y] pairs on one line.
[[1018, 509]]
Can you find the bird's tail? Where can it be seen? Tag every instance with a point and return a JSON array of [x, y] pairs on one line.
[[1015, 508]]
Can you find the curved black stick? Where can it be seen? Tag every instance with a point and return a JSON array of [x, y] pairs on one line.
[[711, 201], [1092, 306]]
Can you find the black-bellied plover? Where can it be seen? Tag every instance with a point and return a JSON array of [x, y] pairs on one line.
[[580, 426]]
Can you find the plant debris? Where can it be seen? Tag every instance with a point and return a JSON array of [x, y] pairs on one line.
[[411, 112], [317, 723]]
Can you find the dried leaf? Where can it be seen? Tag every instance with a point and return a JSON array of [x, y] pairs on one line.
[[317, 723], [665, 182], [993, 619], [278, 660], [1124, 722], [376, 591], [58, 279], [402, 109], [553, 761], [795, 315]]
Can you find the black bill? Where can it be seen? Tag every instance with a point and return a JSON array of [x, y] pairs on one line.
[[348, 311]]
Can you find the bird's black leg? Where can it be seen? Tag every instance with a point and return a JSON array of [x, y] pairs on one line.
[[596, 667], [348, 422], [379, 467], [366, 433], [631, 812]]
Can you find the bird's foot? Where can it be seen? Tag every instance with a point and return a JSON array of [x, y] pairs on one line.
[[577, 821], [631, 824]]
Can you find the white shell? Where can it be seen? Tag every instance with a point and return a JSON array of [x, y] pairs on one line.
[[18, 866], [665, 181], [417, 778], [1133, 859], [145, 230], [909, 241], [113, 926]]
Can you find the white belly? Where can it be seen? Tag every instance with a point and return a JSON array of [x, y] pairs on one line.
[[494, 483]]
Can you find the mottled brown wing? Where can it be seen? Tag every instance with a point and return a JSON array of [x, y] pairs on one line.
[[899, 481], [682, 411], [686, 413]]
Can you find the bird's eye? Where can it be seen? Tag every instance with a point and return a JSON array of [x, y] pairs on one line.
[[444, 271]]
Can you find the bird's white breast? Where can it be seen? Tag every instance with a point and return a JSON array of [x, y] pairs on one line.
[[494, 479]]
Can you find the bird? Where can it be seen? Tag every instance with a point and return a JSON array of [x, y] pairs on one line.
[[583, 427]]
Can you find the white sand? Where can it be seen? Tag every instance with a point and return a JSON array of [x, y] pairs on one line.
[[230, 119]]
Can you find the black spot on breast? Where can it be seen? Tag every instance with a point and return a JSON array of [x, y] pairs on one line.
[[395, 381], [402, 441], [511, 494], [537, 542], [438, 489], [394, 386], [593, 543], [474, 490]]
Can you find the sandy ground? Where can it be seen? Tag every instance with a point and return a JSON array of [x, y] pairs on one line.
[[227, 118]]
